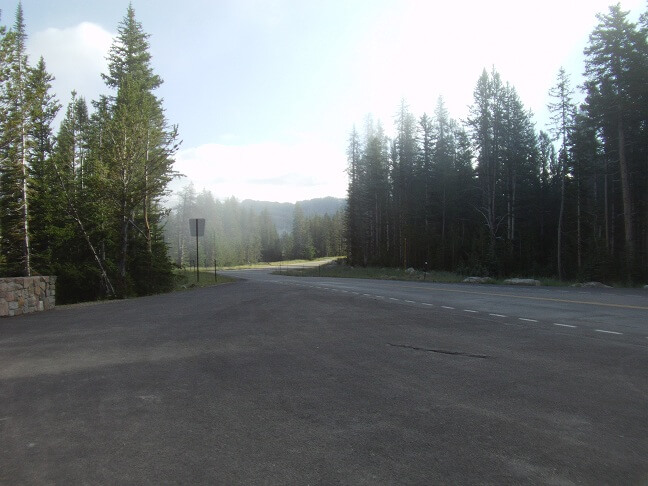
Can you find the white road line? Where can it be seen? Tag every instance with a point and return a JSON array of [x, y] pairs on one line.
[[608, 332], [379, 296], [410, 302], [393, 298], [425, 303], [355, 293], [528, 320], [563, 325], [471, 311], [447, 307], [367, 295], [497, 315]]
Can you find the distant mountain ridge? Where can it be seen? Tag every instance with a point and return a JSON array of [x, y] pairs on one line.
[[282, 213]]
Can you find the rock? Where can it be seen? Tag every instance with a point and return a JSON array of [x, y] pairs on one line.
[[591, 285], [522, 281], [478, 280], [410, 271], [597, 285]]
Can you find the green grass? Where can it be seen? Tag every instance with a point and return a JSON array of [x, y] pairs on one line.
[[186, 279], [338, 270], [279, 264]]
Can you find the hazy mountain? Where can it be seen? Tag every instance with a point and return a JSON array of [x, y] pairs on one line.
[[282, 213]]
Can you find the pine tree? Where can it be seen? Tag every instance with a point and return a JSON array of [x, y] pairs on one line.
[[15, 145], [615, 68], [563, 112], [137, 155], [270, 243], [302, 243], [42, 182], [404, 188], [353, 210], [485, 125]]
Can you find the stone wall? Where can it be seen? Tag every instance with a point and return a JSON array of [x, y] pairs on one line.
[[22, 295]]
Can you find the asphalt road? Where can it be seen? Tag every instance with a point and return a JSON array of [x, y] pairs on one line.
[[279, 380]]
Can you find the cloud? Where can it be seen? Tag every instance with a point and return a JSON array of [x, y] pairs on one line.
[[76, 56], [287, 172]]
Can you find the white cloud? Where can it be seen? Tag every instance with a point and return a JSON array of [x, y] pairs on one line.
[[420, 50], [306, 169], [76, 56]]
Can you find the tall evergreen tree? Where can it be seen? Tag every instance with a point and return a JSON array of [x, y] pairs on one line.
[[563, 112], [42, 182], [15, 128], [485, 124], [615, 70], [402, 176], [138, 151]]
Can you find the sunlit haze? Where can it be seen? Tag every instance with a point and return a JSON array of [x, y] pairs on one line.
[[265, 93]]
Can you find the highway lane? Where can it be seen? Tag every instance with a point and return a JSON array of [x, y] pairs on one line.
[[598, 312], [278, 380]]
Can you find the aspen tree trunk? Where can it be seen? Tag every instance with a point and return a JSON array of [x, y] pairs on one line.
[[147, 224], [27, 249]]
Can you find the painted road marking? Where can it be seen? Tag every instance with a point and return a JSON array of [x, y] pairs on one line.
[[571, 326], [529, 297]]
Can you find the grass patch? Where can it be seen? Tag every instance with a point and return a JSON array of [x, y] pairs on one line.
[[187, 279], [280, 264], [337, 270]]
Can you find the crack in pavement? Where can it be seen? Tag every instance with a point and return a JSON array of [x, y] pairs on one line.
[[440, 351]]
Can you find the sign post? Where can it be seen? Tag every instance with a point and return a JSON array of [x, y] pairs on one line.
[[197, 228]]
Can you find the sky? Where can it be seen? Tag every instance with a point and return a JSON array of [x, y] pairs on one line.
[[266, 92]]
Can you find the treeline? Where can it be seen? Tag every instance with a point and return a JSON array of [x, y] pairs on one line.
[[235, 235], [84, 203], [491, 195]]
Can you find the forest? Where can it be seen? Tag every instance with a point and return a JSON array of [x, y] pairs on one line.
[[239, 235], [488, 195], [493, 196], [88, 204], [84, 204]]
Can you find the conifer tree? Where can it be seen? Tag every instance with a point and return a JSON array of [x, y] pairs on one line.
[[15, 145], [137, 155], [42, 183], [616, 65]]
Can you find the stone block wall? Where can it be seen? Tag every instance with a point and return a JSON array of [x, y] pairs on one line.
[[22, 295]]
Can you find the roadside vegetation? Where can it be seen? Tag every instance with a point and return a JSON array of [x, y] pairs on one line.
[[280, 264], [187, 279], [339, 269]]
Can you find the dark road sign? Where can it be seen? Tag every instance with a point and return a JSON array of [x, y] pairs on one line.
[[197, 226]]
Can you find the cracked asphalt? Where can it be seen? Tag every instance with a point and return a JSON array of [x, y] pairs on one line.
[[259, 382]]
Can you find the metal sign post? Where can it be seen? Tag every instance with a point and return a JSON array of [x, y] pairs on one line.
[[197, 228]]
